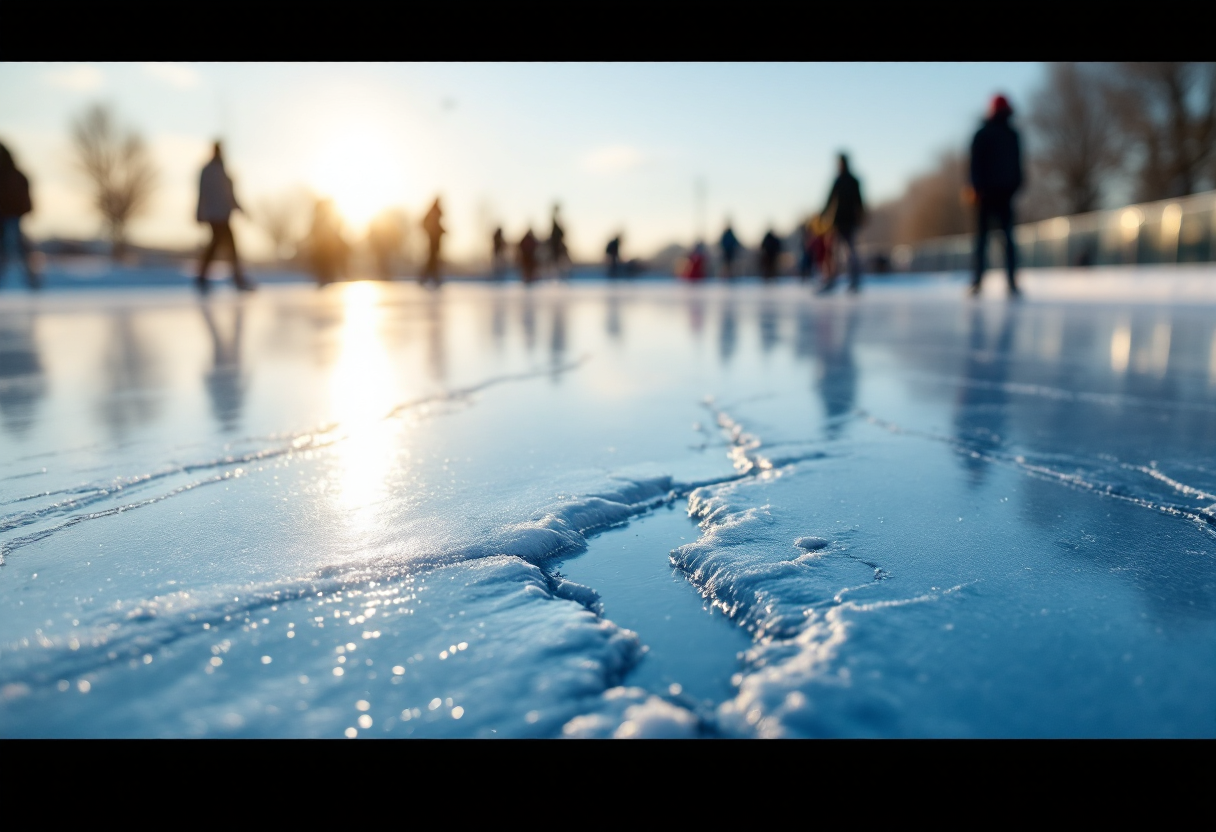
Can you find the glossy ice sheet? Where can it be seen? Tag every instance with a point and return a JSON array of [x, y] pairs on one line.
[[376, 511]]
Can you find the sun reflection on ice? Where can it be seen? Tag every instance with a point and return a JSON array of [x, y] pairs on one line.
[[361, 394], [1120, 347]]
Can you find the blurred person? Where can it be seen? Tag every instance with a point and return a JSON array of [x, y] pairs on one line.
[[694, 267], [730, 246], [527, 256], [327, 248], [14, 204], [216, 202], [821, 245], [386, 238], [806, 257], [498, 254], [846, 209], [559, 256], [434, 229], [613, 252], [996, 175], [770, 252]]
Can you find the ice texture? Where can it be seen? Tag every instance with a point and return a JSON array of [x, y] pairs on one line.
[[382, 511]]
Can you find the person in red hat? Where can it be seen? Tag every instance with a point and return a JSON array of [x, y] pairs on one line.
[[996, 175]]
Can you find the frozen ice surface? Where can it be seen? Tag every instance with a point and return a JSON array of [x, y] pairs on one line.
[[611, 510]]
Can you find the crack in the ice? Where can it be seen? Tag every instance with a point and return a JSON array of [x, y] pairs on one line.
[[1205, 517], [1059, 394]]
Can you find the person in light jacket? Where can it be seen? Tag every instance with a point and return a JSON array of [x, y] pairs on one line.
[[216, 202]]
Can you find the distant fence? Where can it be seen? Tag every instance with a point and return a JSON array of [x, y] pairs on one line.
[[1170, 231]]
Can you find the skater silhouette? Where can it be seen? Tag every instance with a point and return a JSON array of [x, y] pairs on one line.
[[216, 202], [807, 257], [14, 204], [498, 254], [730, 246], [558, 255], [847, 212], [996, 175], [613, 253], [434, 229], [770, 251], [527, 257]]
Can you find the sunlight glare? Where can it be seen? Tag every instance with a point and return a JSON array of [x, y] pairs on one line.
[[361, 392], [360, 172]]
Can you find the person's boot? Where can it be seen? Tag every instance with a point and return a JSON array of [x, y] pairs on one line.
[[201, 284], [243, 284]]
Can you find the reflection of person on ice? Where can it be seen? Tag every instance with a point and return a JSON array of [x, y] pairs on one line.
[[216, 202], [434, 232]]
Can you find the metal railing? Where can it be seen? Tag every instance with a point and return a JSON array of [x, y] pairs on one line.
[[1179, 230]]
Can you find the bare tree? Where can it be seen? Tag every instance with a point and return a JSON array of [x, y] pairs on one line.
[[1040, 197], [284, 218], [933, 205], [1168, 110], [121, 170], [1075, 135]]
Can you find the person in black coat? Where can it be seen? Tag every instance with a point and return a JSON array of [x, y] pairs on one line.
[[613, 252], [14, 204], [996, 175], [847, 212], [730, 246], [770, 251]]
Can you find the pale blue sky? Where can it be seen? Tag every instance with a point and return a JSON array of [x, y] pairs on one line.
[[620, 145]]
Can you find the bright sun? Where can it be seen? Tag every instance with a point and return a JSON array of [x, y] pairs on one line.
[[360, 173]]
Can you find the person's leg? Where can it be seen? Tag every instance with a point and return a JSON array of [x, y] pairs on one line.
[[238, 272], [208, 254], [850, 240], [228, 241], [1011, 249], [828, 265], [23, 251], [437, 266], [981, 246], [5, 230]]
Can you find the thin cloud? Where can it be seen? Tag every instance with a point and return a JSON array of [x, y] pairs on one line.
[[79, 78], [614, 159], [175, 75]]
